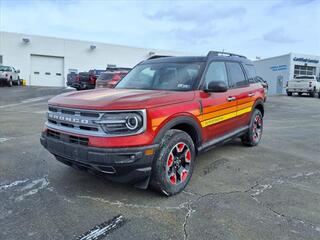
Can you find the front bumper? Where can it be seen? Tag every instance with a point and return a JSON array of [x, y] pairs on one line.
[[125, 165]]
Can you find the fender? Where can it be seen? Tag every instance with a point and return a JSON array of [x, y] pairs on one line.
[[180, 120], [259, 102]]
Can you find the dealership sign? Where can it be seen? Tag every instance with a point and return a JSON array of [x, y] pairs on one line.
[[278, 67], [306, 60]]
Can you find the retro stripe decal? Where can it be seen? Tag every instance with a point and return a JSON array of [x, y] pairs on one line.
[[242, 109], [214, 114]]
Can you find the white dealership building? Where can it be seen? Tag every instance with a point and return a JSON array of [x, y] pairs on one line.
[[46, 61], [277, 71]]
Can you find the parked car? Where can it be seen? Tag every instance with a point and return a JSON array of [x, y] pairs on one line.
[[110, 78], [9, 75], [149, 129], [84, 80], [304, 84], [265, 85]]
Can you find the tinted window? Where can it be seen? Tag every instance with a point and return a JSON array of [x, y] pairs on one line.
[[216, 73], [164, 76], [236, 75], [251, 73]]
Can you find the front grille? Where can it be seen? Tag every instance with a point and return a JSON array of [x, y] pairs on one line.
[[76, 121], [67, 138]]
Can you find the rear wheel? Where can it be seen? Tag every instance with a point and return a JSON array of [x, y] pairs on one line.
[[254, 134], [174, 163], [312, 94], [319, 94], [289, 93], [300, 93]]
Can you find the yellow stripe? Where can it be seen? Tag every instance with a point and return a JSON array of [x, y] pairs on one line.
[[218, 119], [243, 111]]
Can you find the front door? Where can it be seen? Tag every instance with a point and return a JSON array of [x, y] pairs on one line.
[[219, 110]]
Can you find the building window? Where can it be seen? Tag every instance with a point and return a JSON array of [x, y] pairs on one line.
[[304, 70]]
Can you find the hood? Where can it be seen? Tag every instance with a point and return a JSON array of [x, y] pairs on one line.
[[111, 99]]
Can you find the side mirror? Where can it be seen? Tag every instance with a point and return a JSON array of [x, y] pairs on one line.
[[17, 71], [216, 86]]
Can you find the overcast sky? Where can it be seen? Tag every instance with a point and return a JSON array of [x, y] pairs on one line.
[[252, 28]]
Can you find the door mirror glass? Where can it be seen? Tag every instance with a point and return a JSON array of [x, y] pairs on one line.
[[18, 71], [217, 86]]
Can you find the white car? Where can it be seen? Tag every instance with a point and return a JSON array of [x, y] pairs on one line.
[[303, 84], [9, 75]]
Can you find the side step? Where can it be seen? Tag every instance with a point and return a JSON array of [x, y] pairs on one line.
[[223, 139]]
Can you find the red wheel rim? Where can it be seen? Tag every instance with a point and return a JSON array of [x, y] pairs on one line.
[[257, 128], [178, 163]]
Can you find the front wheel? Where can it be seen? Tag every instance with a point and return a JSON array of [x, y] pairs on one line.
[[254, 134], [289, 93], [10, 82], [319, 94], [174, 163]]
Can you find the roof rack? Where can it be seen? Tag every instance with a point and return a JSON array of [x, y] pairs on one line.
[[217, 53], [157, 56]]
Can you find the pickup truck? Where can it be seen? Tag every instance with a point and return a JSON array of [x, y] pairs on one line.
[[303, 84], [84, 80], [9, 75], [148, 130]]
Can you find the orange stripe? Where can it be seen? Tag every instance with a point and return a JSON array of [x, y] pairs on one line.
[[219, 113], [218, 107]]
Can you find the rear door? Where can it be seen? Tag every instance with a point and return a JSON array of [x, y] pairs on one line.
[[242, 91], [218, 109]]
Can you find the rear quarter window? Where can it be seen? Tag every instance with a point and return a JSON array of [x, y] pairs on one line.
[[251, 72]]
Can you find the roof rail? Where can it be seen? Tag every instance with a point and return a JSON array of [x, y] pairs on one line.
[[157, 56], [218, 53]]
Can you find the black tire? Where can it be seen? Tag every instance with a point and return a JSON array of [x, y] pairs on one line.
[[319, 94], [312, 94], [10, 83], [289, 93], [300, 94], [254, 134], [162, 178]]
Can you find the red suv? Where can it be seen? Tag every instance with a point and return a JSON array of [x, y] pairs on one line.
[[149, 129]]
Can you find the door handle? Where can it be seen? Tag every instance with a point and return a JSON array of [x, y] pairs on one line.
[[251, 94], [231, 99]]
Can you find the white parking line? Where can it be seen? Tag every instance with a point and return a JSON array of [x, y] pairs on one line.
[[30, 100], [103, 229]]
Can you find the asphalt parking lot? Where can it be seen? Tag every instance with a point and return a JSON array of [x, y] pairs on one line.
[[267, 192]]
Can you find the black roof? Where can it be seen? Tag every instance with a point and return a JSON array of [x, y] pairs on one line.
[[211, 56]]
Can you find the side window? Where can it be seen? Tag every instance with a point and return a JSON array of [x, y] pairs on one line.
[[236, 75], [216, 73], [251, 73]]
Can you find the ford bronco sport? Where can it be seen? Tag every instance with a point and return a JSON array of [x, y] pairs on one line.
[[149, 129]]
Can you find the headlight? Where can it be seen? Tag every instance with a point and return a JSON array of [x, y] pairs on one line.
[[123, 123]]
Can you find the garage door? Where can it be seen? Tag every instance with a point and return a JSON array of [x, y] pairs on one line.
[[47, 71]]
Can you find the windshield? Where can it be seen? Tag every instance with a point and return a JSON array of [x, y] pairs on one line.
[[162, 76], [105, 76], [5, 69]]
